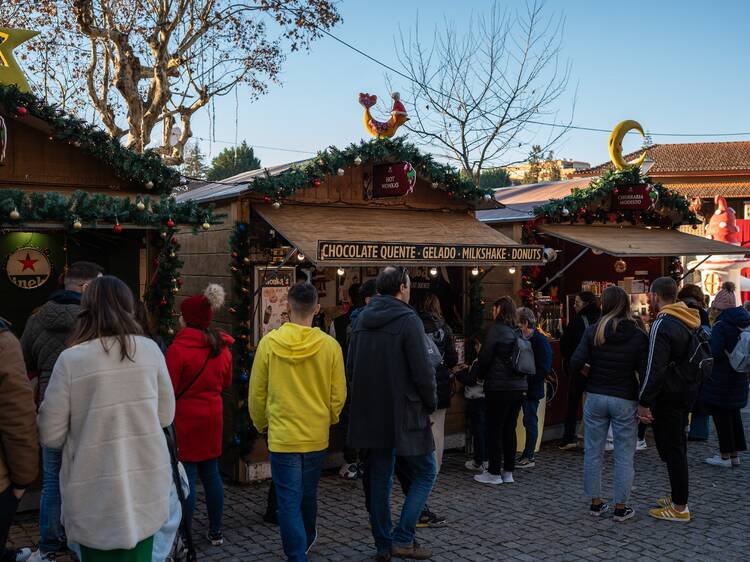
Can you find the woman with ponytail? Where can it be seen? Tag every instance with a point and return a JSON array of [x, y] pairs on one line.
[[200, 364], [611, 355]]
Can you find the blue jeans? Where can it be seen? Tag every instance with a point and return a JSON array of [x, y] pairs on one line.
[[208, 471], [51, 531], [296, 477], [531, 424], [380, 467], [599, 412], [478, 422]]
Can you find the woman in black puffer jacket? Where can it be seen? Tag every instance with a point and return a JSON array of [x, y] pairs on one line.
[[611, 355], [504, 391]]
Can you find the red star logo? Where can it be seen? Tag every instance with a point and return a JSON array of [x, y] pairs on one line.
[[27, 263]]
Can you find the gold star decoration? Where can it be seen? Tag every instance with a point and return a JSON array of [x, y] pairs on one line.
[[10, 72]]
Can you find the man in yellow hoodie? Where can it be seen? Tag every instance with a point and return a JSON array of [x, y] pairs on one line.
[[666, 398], [297, 391]]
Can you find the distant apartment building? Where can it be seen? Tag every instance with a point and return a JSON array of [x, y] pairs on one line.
[[547, 170]]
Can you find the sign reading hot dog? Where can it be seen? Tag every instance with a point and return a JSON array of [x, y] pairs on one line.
[[404, 252]]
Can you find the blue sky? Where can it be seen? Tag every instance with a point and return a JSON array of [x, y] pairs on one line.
[[675, 66]]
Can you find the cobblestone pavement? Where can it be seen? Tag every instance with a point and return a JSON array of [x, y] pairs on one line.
[[543, 516]]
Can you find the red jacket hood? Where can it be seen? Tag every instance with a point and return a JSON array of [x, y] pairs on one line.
[[191, 337]]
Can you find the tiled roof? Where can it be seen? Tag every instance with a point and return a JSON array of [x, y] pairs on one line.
[[670, 159], [520, 201], [711, 189]]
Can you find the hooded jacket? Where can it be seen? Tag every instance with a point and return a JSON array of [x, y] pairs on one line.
[[199, 416], [668, 345], [19, 448], [442, 335], [726, 388], [494, 366], [297, 388], [47, 332], [393, 381], [616, 363]]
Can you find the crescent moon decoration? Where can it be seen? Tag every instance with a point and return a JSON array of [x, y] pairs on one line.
[[10, 72], [615, 144]]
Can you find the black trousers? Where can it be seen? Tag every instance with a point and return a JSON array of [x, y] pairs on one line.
[[575, 394], [729, 429], [8, 506], [670, 423], [502, 414]]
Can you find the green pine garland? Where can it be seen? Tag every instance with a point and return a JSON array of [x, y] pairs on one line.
[[330, 161], [128, 164], [165, 284], [591, 204], [93, 209]]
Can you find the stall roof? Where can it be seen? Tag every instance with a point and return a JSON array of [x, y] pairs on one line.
[[427, 237], [636, 241]]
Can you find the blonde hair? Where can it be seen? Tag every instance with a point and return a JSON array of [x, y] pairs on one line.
[[615, 308]]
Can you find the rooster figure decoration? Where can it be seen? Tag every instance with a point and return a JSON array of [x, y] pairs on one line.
[[383, 129]]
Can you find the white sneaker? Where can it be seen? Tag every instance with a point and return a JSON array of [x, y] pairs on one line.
[[507, 477], [22, 554], [641, 445], [487, 478], [37, 556], [716, 460], [349, 471], [610, 446], [471, 465], [735, 461]]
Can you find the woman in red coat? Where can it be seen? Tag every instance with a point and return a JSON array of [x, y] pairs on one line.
[[200, 364]]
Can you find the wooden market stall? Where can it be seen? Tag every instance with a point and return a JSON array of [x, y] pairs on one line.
[[335, 219]]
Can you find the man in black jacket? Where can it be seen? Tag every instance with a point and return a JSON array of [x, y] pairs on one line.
[[392, 396], [587, 314], [664, 399]]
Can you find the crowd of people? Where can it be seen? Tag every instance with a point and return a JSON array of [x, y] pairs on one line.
[[113, 397]]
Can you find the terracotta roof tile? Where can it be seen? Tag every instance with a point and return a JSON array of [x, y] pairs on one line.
[[711, 189], [689, 157]]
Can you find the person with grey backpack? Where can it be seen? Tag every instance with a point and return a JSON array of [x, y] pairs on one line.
[[725, 392]]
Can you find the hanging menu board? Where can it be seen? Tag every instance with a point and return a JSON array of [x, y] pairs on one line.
[[271, 300]]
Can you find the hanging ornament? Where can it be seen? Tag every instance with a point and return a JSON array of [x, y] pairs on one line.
[[21, 111], [170, 331], [140, 205], [616, 190], [180, 282], [487, 197], [175, 290], [149, 185], [451, 195], [357, 161], [435, 185], [246, 259], [77, 225], [277, 205], [565, 212], [206, 226], [14, 214], [170, 223], [340, 171], [117, 227], [163, 234], [316, 182], [172, 254], [621, 266], [267, 199], [163, 302], [244, 376]]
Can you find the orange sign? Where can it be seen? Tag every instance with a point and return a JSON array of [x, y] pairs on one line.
[[712, 283]]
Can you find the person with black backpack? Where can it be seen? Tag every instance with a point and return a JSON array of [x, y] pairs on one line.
[[678, 360], [505, 387]]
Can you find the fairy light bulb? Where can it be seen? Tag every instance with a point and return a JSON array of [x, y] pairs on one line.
[[475, 271], [433, 271], [512, 270], [340, 272]]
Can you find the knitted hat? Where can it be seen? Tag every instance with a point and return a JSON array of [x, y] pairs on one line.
[[198, 311], [724, 300]]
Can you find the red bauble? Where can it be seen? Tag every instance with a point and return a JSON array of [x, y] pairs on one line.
[[451, 195], [117, 228], [180, 282], [612, 217], [267, 199], [170, 223], [617, 190], [163, 302], [316, 182], [21, 111]]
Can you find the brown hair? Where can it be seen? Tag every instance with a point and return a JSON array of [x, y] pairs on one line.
[[107, 312], [506, 312], [615, 308], [431, 305], [690, 291]]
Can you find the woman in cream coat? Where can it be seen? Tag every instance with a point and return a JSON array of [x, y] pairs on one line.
[[108, 399]]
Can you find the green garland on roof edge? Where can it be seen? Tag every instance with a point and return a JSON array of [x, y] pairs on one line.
[[329, 161], [591, 204], [92, 209], [128, 164]]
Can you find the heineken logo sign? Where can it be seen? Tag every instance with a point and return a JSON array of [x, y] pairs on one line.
[[336, 252], [28, 268]]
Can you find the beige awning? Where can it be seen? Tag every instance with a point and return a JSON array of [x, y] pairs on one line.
[[636, 241], [356, 236]]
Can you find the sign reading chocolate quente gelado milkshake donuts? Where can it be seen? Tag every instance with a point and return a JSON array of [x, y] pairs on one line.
[[404, 253]]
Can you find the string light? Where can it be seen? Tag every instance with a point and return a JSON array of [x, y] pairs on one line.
[[475, 271], [512, 270], [340, 272], [433, 271], [300, 256]]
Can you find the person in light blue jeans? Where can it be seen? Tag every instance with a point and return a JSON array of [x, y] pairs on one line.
[[51, 531], [610, 356]]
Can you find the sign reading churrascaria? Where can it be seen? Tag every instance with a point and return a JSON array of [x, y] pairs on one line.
[[28, 268], [407, 253]]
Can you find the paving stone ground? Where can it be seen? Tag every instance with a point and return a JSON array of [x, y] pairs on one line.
[[543, 516]]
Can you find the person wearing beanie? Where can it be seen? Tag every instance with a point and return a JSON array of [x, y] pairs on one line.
[[200, 365], [724, 300]]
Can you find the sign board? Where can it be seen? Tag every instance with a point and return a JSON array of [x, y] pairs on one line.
[[28, 268], [341, 252], [633, 197], [393, 180], [271, 300]]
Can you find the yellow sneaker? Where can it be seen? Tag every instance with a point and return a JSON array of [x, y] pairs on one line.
[[666, 501], [669, 513]]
